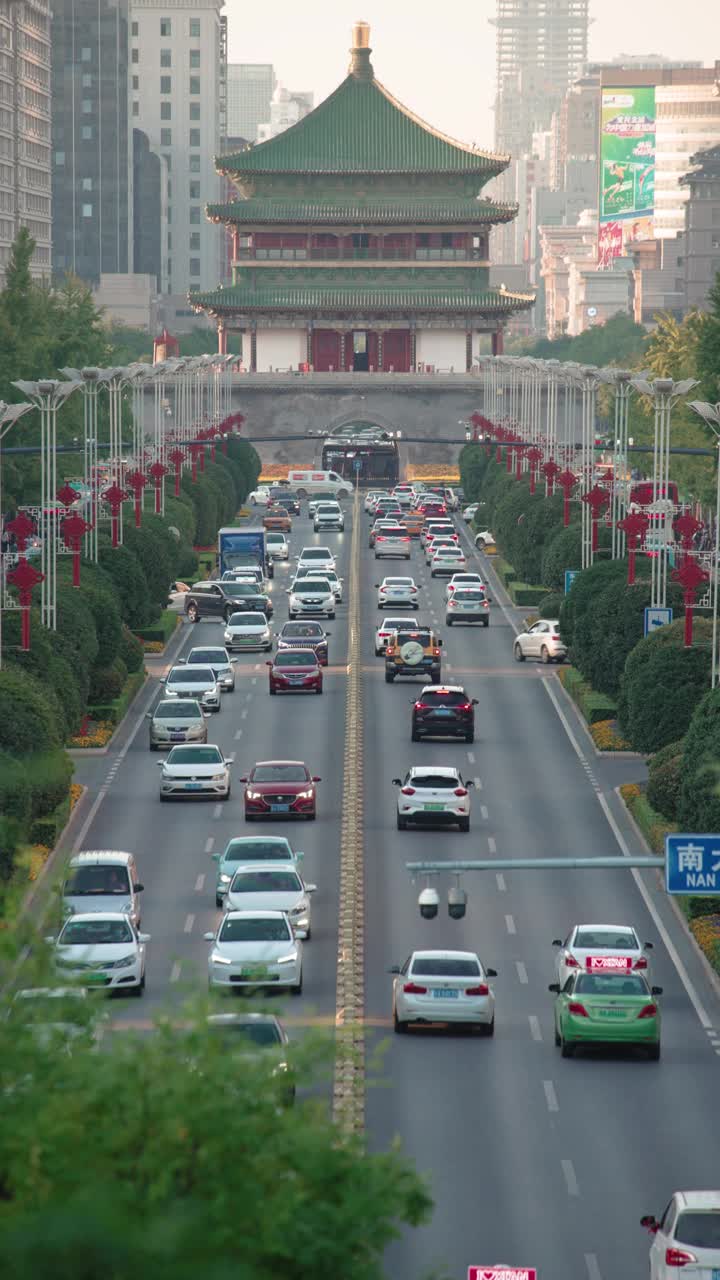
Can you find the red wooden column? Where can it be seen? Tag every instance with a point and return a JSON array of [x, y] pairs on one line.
[[468, 350], [222, 338], [253, 347], [497, 342]]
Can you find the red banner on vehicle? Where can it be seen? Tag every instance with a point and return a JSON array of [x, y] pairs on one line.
[[612, 964], [502, 1273]]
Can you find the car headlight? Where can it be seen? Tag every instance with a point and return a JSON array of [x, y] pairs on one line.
[[218, 777], [216, 958], [253, 795], [304, 795], [125, 962], [224, 879], [290, 959]]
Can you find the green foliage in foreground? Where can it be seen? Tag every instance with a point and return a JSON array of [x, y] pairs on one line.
[[169, 1155]]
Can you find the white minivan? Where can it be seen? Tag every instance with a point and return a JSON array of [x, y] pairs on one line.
[[306, 482]]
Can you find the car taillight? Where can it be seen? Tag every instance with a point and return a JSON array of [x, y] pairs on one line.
[[555, 637], [419, 706], [412, 588], [648, 1011], [412, 989], [481, 989], [571, 962], [465, 706], [577, 1009], [407, 791], [678, 1257], [460, 791], [485, 604], [436, 653], [451, 588], [641, 963]]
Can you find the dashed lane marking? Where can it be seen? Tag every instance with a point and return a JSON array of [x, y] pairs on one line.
[[243, 714], [189, 922], [238, 734], [492, 844], [484, 812], [174, 975], [570, 1177], [521, 972], [535, 1028], [200, 883], [478, 784], [593, 1267], [500, 881], [217, 811], [550, 1095], [471, 757], [209, 844], [510, 924]]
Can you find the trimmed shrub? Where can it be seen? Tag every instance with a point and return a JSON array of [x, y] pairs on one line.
[[522, 594], [584, 590], [661, 685], [106, 683], [15, 794], [550, 605], [562, 550], [28, 720], [52, 670], [130, 583], [663, 788], [50, 775], [75, 639], [667, 753], [699, 808], [131, 650], [156, 558], [163, 630], [505, 572], [187, 567], [10, 833]]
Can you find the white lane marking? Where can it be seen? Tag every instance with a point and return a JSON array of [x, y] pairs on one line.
[[521, 972], [189, 922], [478, 784], [256, 667], [492, 845], [175, 971], [593, 1267], [484, 812], [570, 1177], [550, 1095], [535, 1029], [238, 734], [254, 680], [471, 757], [217, 811], [243, 714], [500, 881], [510, 924], [200, 883], [209, 844], [682, 972], [230, 758]]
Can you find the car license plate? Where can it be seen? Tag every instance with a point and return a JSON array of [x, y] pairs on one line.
[[193, 786], [279, 808], [716, 1273], [96, 979], [177, 737], [611, 1013], [443, 711], [445, 993], [427, 662], [396, 591], [434, 807]]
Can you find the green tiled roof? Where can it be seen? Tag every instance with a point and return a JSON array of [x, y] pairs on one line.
[[362, 128], [331, 298], [366, 211]]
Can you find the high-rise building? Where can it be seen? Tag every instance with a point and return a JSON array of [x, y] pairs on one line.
[[92, 149], [250, 89], [150, 182], [25, 165], [286, 109], [178, 96], [702, 226]]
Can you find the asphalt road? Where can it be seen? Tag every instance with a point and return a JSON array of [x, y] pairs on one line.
[[531, 1159]]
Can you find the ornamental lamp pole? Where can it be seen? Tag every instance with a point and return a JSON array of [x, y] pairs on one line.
[[596, 500], [92, 379], [136, 481], [9, 414], [710, 414], [567, 481], [634, 525], [690, 576], [534, 456], [551, 471], [73, 529]]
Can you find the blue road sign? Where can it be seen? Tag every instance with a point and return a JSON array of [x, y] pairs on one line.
[[657, 617], [692, 864], [357, 464], [570, 576]]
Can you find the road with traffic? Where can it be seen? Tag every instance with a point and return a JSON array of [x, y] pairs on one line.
[[531, 1159]]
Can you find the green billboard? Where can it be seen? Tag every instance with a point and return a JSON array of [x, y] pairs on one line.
[[627, 165]]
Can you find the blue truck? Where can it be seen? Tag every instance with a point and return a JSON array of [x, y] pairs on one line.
[[243, 548]]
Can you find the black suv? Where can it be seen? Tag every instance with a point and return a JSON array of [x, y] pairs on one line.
[[287, 499], [220, 599], [444, 711]]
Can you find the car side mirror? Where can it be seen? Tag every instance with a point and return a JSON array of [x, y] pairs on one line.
[[206, 715], [243, 778], [139, 888], [315, 778], [396, 782], [556, 942], [159, 763], [469, 783], [163, 679], [143, 937], [216, 857], [328, 635], [474, 702], [656, 991], [395, 969], [49, 938], [299, 853], [209, 937], [554, 986], [491, 973], [439, 642], [648, 946], [376, 584], [180, 662], [268, 663], [301, 934], [649, 1222], [148, 715], [311, 888]]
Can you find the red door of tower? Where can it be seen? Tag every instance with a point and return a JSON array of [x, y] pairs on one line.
[[326, 350], [396, 350]]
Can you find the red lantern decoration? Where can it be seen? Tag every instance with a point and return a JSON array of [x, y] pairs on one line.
[[567, 481], [634, 525], [25, 578], [157, 471], [686, 526], [551, 471], [597, 499], [115, 496], [519, 448], [690, 576], [67, 495], [73, 530], [22, 527], [177, 457], [136, 481], [534, 457], [196, 451]]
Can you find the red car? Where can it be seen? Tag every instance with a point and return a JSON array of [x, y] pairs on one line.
[[280, 788], [295, 671], [432, 509]]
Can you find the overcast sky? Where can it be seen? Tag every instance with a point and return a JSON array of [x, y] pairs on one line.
[[439, 58]]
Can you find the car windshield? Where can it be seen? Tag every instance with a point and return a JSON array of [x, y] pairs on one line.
[[276, 537], [295, 658], [306, 630], [86, 881], [254, 930], [435, 780], [614, 940], [194, 755], [597, 984], [445, 967], [398, 582], [191, 675], [246, 620], [391, 624], [236, 590], [312, 587], [92, 933], [448, 699], [280, 773], [214, 657], [316, 553], [700, 1228], [266, 882], [263, 1034], [178, 711], [469, 595], [277, 850]]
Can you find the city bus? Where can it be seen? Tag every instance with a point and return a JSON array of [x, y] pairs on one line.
[[364, 454]]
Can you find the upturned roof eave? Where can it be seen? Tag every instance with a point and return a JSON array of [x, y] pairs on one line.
[[484, 214]]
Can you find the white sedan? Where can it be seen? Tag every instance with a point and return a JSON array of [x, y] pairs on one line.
[[463, 580], [397, 591], [607, 948], [102, 949], [443, 986], [317, 558], [195, 771], [371, 498], [259, 497], [248, 631], [255, 949], [263, 886], [384, 632], [433, 795], [311, 598], [470, 512], [447, 560], [277, 545]]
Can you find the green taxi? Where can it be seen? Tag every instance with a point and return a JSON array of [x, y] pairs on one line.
[[607, 1008]]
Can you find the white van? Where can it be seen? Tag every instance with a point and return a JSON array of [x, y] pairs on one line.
[[102, 880], [306, 482]]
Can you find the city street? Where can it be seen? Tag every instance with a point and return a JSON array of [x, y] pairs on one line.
[[531, 1159]]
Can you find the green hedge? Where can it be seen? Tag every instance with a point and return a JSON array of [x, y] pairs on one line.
[[50, 775], [662, 684], [593, 705], [163, 630], [107, 683], [699, 807], [504, 571], [550, 605], [10, 835], [131, 650], [521, 593], [15, 793], [115, 710], [664, 780], [653, 825], [28, 720], [48, 830]]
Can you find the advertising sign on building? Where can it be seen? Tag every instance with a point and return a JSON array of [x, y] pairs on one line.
[[627, 169]]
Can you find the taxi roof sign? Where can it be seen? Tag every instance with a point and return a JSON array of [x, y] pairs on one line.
[[612, 964], [502, 1273]]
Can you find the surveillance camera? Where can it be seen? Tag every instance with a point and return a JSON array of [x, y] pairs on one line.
[[429, 903], [457, 903]]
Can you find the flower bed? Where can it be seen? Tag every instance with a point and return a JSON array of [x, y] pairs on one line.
[[115, 710], [607, 736], [654, 826], [98, 734], [595, 707], [706, 932], [162, 630]]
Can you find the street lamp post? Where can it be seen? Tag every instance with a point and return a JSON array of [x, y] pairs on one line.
[[92, 379], [710, 414], [9, 414]]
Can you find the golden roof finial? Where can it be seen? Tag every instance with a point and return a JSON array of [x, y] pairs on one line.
[[361, 35], [360, 64]]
